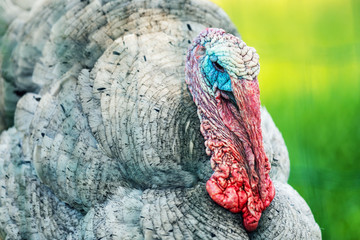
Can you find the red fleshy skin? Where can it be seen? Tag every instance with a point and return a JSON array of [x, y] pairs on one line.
[[229, 186], [232, 133]]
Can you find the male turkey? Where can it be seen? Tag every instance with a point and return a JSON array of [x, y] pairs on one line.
[[108, 143]]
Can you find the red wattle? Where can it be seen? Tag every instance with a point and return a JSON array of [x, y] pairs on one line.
[[240, 182]]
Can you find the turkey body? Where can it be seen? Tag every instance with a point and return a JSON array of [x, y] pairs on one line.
[[107, 142]]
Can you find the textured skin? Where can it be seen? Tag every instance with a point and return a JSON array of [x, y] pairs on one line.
[[233, 138], [110, 137]]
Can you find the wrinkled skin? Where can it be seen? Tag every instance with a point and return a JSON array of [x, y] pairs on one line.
[[221, 74]]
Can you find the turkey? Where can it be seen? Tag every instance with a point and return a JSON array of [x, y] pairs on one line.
[[107, 141]]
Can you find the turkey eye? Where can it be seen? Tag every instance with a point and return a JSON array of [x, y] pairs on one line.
[[218, 67]]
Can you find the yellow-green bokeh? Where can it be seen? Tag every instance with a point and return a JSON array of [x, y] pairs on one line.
[[310, 81]]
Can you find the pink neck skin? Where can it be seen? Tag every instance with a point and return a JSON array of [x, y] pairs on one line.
[[240, 182]]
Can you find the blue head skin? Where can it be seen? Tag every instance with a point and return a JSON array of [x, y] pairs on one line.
[[216, 74]]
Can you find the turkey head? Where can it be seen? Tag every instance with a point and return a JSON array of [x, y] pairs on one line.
[[221, 73]]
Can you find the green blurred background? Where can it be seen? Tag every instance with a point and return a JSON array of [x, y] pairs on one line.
[[310, 71]]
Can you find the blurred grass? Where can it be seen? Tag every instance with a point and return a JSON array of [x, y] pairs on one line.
[[310, 71]]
